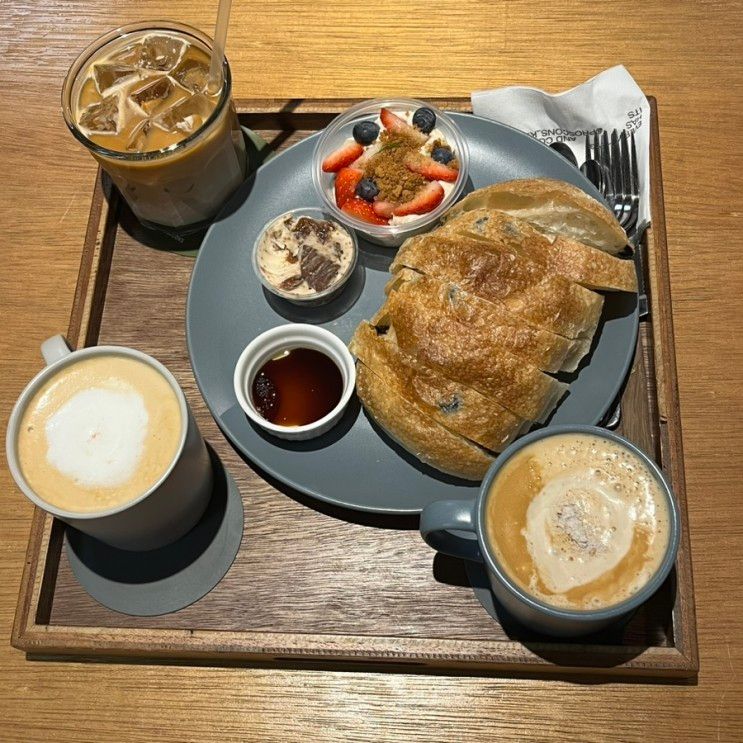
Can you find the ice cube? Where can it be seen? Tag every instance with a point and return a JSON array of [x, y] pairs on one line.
[[149, 96], [102, 116], [186, 116], [138, 137], [192, 74], [107, 75], [160, 52], [130, 55]]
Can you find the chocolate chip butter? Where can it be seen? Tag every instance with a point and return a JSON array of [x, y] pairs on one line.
[[303, 258], [578, 521]]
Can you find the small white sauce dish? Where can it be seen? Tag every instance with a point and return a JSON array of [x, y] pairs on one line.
[[271, 343]]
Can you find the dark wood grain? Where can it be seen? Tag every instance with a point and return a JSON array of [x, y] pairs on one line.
[[368, 585]]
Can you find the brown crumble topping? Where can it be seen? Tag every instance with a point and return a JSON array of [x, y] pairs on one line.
[[388, 170]]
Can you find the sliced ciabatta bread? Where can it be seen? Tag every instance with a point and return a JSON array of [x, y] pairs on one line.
[[499, 274], [452, 404], [564, 256], [553, 207], [422, 436]]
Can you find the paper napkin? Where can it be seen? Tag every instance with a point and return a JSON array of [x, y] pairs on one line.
[[610, 100]]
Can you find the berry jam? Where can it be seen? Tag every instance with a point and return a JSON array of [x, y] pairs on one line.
[[297, 387]]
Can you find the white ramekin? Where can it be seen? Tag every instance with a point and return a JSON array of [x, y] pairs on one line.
[[269, 344]]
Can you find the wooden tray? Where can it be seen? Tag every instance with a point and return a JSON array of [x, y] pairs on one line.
[[313, 583]]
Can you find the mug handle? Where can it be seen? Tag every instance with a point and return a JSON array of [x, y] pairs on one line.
[[55, 348], [437, 521]]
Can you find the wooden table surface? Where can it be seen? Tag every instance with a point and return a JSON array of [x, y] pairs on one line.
[[688, 55]]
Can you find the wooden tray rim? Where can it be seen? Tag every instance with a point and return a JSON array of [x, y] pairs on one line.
[[40, 639]]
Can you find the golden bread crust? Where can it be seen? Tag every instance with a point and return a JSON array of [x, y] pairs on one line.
[[469, 355], [587, 266], [554, 207], [452, 404], [498, 273], [420, 435], [493, 322]]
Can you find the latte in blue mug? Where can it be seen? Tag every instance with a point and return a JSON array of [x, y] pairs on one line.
[[576, 526]]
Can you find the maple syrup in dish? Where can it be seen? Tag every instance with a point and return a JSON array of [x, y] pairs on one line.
[[296, 387]]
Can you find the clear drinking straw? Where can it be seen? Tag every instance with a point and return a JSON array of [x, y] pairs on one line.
[[220, 40]]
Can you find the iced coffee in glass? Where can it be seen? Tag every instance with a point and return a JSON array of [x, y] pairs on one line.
[[140, 99]]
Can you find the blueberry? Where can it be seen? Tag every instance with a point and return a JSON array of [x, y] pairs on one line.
[[367, 189], [442, 155], [425, 120], [365, 132]]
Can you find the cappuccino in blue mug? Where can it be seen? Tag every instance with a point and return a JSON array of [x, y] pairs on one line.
[[576, 526]]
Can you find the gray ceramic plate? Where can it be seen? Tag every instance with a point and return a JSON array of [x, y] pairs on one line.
[[356, 465]]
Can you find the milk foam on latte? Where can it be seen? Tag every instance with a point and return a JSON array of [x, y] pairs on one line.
[[578, 521], [96, 438], [99, 433]]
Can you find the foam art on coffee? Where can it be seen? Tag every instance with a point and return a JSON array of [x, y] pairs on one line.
[[577, 529], [99, 433], [96, 438], [578, 521]]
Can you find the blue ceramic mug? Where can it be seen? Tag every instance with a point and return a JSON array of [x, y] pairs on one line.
[[442, 525]]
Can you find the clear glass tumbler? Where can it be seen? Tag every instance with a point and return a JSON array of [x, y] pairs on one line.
[[180, 186]]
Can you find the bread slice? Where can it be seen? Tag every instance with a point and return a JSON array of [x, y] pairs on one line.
[[553, 207], [547, 351], [422, 436], [498, 273], [563, 256], [452, 404], [469, 355]]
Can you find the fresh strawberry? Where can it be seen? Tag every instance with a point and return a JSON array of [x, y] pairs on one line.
[[362, 210], [345, 184], [428, 198], [393, 123], [342, 157], [384, 208], [432, 170]]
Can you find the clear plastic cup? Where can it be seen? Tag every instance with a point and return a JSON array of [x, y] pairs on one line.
[[340, 129], [318, 298]]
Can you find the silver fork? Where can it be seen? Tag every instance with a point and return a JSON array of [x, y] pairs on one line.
[[617, 156], [624, 173], [600, 152]]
